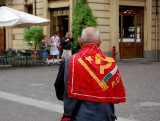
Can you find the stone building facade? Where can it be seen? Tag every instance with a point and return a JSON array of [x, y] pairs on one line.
[[130, 25]]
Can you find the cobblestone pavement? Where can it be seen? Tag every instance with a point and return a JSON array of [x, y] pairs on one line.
[[13, 111], [142, 83], [141, 80]]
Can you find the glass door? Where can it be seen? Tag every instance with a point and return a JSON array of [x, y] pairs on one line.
[[60, 21], [130, 34]]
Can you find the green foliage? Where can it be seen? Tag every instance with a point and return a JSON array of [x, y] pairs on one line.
[[49, 49], [33, 36], [82, 18]]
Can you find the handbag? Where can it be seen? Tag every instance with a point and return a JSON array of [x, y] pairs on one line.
[[59, 47]]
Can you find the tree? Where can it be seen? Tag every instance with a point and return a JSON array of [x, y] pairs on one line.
[[82, 18], [33, 36]]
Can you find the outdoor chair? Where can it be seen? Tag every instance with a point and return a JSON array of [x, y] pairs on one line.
[[24, 58], [13, 57], [20, 59], [5, 59]]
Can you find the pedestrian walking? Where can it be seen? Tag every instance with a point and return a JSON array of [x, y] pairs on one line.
[[55, 42], [43, 52], [89, 82], [66, 43]]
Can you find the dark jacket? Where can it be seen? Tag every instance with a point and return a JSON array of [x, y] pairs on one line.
[[80, 110], [66, 45], [42, 45]]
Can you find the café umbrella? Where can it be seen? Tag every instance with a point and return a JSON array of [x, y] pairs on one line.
[[10, 17]]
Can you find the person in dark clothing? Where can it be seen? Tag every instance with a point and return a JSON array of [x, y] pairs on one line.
[[87, 87], [66, 43]]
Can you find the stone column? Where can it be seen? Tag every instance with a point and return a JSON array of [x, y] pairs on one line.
[[9, 36], [148, 29], [46, 14], [70, 13], [114, 22]]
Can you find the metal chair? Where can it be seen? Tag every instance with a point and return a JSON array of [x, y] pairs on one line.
[[5, 61]]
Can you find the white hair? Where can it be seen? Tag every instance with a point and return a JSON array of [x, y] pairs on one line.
[[90, 38]]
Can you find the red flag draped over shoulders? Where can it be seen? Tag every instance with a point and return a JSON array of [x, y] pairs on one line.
[[95, 77]]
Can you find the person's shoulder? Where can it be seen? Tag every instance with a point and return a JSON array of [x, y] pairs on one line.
[[42, 42], [58, 37], [52, 37], [76, 55], [63, 38], [72, 39]]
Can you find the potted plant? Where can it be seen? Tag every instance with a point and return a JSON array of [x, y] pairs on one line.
[[32, 36], [82, 18]]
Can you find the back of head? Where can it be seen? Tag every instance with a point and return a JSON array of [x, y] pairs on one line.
[[55, 33], [43, 37], [90, 35], [67, 34]]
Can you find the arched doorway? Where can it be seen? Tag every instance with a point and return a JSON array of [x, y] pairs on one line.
[[131, 32]]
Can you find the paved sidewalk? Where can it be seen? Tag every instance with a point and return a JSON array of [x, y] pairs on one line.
[[8, 100], [27, 94]]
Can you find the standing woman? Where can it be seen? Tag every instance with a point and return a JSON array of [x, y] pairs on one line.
[[55, 41], [44, 53]]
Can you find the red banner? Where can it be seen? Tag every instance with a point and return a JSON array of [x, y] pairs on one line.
[[95, 77]]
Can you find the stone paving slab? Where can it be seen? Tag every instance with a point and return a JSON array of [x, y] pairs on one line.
[[32, 103], [142, 83], [36, 82], [141, 80], [13, 111]]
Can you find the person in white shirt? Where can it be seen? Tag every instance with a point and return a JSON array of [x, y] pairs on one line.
[[55, 41]]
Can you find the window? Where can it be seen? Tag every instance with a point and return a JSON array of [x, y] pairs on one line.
[[30, 9]]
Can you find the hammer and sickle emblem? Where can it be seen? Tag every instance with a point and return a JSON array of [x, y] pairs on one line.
[[98, 58]]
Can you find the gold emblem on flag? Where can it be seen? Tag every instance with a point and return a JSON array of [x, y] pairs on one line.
[[98, 60]]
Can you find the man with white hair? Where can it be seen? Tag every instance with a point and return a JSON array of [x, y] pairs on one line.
[[89, 82]]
